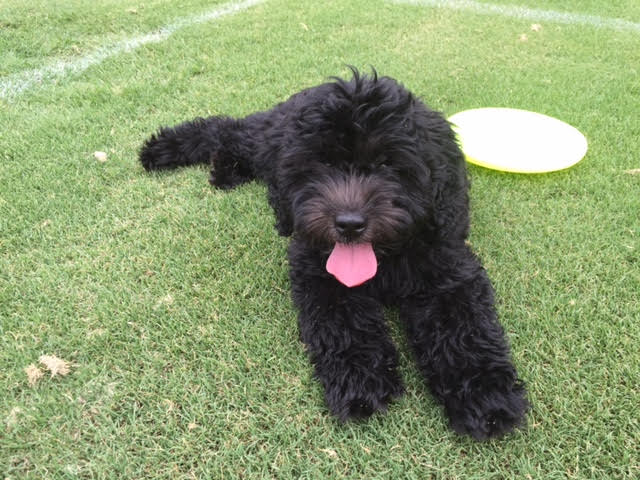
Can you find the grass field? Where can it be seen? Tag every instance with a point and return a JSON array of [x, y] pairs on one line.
[[170, 302]]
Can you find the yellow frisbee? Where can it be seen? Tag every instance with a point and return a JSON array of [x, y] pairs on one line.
[[518, 141]]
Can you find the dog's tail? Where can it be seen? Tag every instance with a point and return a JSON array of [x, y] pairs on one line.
[[217, 141]]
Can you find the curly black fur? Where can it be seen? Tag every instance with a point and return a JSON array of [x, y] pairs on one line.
[[368, 149]]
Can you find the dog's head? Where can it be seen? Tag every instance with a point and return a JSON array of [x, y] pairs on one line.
[[365, 168]]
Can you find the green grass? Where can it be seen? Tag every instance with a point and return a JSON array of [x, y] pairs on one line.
[[171, 299]]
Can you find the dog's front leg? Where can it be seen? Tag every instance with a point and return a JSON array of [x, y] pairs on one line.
[[347, 340], [462, 351]]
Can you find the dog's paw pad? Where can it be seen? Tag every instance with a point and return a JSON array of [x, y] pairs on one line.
[[360, 409], [492, 416]]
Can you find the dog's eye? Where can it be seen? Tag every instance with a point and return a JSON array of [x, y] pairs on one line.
[[383, 161], [365, 169]]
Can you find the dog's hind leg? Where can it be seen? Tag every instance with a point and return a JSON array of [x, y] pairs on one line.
[[221, 142], [461, 349], [189, 143]]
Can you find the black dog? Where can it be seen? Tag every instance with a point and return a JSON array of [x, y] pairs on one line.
[[371, 186]]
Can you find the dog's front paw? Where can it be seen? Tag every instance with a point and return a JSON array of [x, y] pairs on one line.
[[358, 394], [489, 414]]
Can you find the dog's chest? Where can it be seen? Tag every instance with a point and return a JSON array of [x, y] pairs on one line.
[[397, 278]]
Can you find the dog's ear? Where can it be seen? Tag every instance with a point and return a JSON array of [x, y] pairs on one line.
[[451, 197], [449, 183]]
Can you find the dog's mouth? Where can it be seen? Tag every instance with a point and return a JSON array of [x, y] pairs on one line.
[[352, 263]]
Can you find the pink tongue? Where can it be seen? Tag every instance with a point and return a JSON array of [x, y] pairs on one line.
[[352, 264]]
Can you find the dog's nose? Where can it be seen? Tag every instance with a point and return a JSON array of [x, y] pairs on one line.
[[350, 224]]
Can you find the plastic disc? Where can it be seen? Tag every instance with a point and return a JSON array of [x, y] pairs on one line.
[[519, 141]]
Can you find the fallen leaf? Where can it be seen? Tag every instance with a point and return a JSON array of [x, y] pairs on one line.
[[98, 332], [33, 374], [166, 300], [12, 418], [55, 365], [100, 156], [523, 37], [169, 404], [536, 27], [329, 451]]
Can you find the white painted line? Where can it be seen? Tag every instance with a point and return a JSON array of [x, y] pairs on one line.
[[526, 13], [13, 85]]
